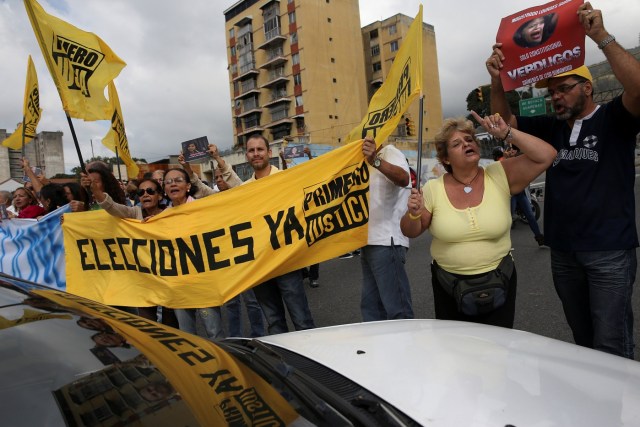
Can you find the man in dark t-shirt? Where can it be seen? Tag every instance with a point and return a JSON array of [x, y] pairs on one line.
[[589, 217]]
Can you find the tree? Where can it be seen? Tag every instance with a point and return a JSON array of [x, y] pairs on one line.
[[479, 100]]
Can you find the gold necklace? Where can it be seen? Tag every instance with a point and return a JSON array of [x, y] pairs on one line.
[[467, 187]]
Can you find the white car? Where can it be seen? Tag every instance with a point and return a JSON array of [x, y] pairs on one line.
[[68, 361], [446, 373]]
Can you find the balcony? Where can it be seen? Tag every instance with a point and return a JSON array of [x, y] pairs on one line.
[[251, 125], [272, 37], [277, 98], [254, 128], [247, 70], [280, 122], [249, 106], [276, 76], [248, 87], [274, 58]]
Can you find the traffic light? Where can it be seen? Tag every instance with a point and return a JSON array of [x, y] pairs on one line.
[[409, 126], [479, 94]]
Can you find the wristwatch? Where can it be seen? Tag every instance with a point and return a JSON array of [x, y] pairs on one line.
[[610, 38], [376, 162]]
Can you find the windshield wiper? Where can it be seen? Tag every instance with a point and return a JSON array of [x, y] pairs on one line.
[[322, 402], [379, 410]]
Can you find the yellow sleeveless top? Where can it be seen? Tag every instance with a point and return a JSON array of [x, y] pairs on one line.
[[471, 240]]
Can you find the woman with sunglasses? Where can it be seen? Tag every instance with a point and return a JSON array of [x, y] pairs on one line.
[[178, 188], [149, 192]]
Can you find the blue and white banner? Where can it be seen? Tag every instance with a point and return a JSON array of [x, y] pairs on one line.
[[34, 249]]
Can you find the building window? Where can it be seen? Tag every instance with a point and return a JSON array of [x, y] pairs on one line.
[[329, 20], [295, 58], [297, 79], [394, 45], [377, 66], [392, 29], [373, 34], [336, 100], [333, 60], [293, 38], [232, 33], [330, 116], [233, 50], [330, 39], [299, 101], [375, 50], [335, 80], [292, 17]]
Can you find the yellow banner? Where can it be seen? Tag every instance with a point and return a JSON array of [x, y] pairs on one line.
[[31, 111], [116, 138], [218, 390], [202, 254], [80, 63], [401, 86]]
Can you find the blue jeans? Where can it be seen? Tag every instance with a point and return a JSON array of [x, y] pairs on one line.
[[386, 293], [522, 200], [595, 289], [211, 319], [234, 314], [288, 290]]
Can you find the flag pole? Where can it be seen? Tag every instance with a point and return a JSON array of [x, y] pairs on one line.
[[75, 141], [118, 164], [419, 162], [23, 147]]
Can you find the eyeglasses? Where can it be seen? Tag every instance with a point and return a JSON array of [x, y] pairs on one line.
[[563, 89], [176, 180], [149, 191]]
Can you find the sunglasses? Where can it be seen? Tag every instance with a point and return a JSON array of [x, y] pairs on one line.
[[149, 191]]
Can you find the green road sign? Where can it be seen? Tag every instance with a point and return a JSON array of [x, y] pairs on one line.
[[533, 107]]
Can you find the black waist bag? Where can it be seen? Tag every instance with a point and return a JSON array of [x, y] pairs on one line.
[[478, 295]]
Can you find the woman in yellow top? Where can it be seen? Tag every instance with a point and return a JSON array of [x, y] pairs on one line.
[[467, 211]]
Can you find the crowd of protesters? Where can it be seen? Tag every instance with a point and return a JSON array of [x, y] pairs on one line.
[[467, 210]]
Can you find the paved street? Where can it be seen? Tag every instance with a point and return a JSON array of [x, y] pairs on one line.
[[538, 310]]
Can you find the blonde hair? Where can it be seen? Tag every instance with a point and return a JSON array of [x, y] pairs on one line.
[[449, 126]]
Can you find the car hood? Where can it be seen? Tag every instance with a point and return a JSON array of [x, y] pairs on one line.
[[445, 373]]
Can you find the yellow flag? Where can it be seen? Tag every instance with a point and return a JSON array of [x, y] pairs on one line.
[[402, 85], [117, 137], [80, 63], [204, 253], [31, 111]]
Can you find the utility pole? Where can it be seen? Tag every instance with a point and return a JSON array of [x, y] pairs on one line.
[[92, 155]]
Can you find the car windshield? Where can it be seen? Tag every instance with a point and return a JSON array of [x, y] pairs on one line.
[[79, 362]]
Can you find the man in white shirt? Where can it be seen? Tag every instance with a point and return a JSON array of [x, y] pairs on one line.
[[386, 293]]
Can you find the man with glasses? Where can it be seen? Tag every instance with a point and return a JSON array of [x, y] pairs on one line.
[[589, 217]]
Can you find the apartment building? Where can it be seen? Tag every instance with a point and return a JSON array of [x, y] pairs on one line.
[[296, 70], [45, 151]]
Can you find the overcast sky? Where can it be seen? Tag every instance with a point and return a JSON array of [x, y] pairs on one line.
[[175, 86]]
